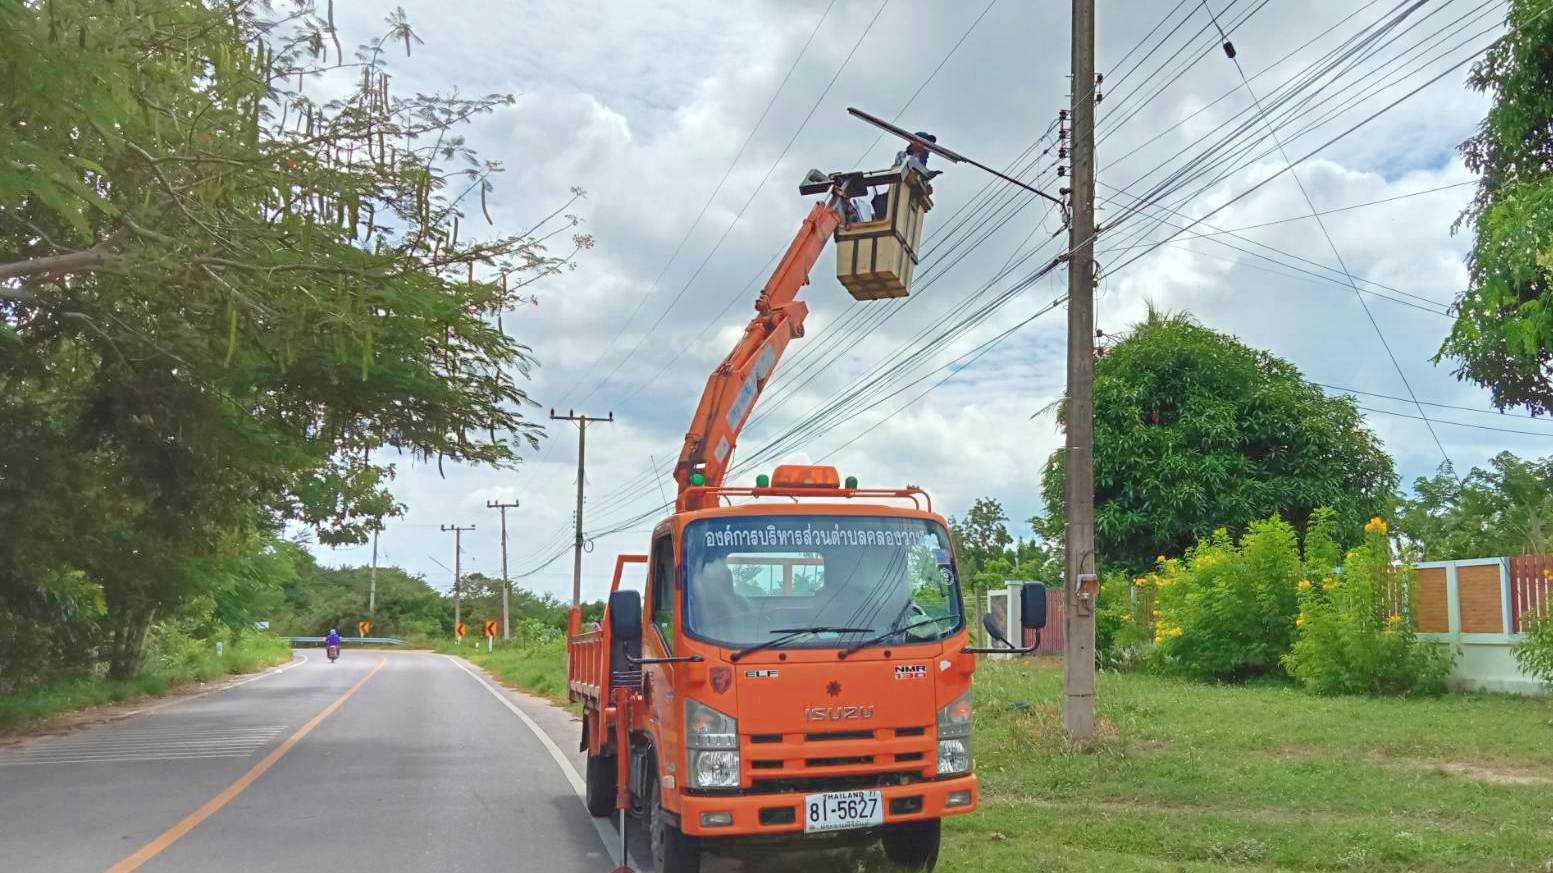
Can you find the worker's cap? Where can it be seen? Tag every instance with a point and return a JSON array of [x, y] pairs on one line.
[[922, 134]]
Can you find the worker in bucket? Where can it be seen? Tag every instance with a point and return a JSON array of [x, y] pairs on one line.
[[917, 150]]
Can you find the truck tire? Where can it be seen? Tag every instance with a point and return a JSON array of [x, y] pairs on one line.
[[672, 850], [913, 845], [599, 786]]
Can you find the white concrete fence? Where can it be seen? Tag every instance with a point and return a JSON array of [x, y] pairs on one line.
[[1479, 606]]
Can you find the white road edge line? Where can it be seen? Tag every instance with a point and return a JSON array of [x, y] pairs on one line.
[[607, 834]]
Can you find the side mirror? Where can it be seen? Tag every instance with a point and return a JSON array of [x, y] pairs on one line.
[[1032, 606], [625, 616], [991, 624], [1004, 647]]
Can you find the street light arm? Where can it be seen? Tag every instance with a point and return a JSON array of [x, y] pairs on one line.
[[947, 154]]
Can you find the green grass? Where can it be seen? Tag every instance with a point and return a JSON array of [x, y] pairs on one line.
[[250, 654], [540, 670], [1192, 777]]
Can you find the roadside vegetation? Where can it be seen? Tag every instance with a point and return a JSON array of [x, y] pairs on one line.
[[537, 667], [174, 659]]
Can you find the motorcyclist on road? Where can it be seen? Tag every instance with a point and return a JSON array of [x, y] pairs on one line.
[[333, 639]]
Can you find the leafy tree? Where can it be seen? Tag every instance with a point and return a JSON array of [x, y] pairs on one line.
[[1038, 559], [224, 297], [1195, 431], [318, 598], [1506, 509], [983, 531], [1503, 335]]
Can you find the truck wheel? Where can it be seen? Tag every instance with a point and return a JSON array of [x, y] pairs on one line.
[[913, 845], [672, 850], [599, 792]]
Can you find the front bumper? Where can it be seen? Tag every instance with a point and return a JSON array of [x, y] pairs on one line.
[[762, 813]]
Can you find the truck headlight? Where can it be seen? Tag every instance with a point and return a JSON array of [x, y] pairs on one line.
[[954, 757], [712, 739], [954, 737], [714, 769]]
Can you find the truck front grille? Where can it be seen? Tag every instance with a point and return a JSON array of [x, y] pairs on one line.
[[763, 785], [837, 735], [839, 762]]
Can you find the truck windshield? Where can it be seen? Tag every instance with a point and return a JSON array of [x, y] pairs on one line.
[[749, 576]]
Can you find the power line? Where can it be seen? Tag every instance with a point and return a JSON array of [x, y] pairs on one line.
[[1303, 216], [1355, 391], [1311, 153], [1453, 423], [1432, 306], [1199, 166], [1212, 103], [1332, 244], [1306, 85]]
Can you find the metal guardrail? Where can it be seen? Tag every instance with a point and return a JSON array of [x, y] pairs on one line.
[[359, 641]]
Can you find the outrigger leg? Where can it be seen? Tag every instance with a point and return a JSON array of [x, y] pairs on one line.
[[623, 770]]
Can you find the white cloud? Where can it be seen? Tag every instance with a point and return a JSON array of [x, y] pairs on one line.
[[645, 108]]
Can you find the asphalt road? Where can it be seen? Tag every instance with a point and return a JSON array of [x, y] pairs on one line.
[[383, 762]]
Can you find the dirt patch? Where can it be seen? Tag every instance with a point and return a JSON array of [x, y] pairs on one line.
[[1497, 775], [1291, 753], [1494, 773]]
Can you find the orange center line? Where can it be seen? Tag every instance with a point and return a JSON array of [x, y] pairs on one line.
[[194, 819]]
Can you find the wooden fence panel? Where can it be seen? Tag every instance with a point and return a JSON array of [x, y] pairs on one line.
[[1531, 589], [1482, 601], [1433, 607]]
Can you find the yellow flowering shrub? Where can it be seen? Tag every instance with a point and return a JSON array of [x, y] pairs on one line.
[[1227, 609], [1355, 633]]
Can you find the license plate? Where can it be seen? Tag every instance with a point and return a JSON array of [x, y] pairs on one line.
[[840, 810]]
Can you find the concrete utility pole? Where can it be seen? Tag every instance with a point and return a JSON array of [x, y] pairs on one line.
[[506, 586], [1079, 594], [582, 454], [372, 580], [458, 575]]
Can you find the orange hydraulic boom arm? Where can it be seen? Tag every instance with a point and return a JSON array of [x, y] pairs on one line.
[[735, 385]]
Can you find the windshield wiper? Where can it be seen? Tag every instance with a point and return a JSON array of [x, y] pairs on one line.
[[792, 633], [886, 635]]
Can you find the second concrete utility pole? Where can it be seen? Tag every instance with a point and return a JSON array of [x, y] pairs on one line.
[[506, 584], [458, 574]]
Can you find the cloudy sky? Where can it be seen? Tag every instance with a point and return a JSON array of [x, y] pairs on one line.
[[657, 110]]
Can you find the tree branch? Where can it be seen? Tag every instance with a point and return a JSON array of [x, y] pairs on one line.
[[84, 261]]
